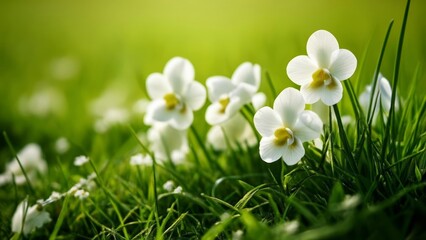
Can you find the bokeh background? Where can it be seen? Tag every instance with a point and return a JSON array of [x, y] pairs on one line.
[[65, 64]]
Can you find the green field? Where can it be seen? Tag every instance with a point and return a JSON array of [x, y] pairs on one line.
[[64, 65]]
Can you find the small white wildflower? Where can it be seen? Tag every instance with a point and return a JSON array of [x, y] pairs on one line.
[[228, 96], [164, 146], [169, 186], [43, 103], [350, 202], [291, 226], [31, 160], [82, 194], [81, 160], [178, 189], [285, 127], [175, 94], [238, 235], [140, 159], [258, 100], [62, 145], [234, 132], [320, 72], [55, 196], [26, 219]]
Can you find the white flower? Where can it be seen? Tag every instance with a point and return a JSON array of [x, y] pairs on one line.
[[167, 143], [26, 219], [285, 127], [140, 159], [174, 94], [228, 96], [62, 145], [383, 94], [169, 186], [258, 100], [32, 161], [81, 194], [80, 160], [45, 102], [111, 117], [236, 131], [319, 74], [178, 189]]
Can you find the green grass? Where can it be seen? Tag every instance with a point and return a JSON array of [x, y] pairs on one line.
[[367, 183]]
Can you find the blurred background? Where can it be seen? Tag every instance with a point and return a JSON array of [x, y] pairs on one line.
[[71, 68]]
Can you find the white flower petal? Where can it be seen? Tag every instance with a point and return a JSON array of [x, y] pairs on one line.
[[244, 92], [300, 70], [247, 73], [343, 64], [218, 86], [321, 44], [310, 94], [159, 111], [182, 119], [308, 127], [332, 95], [269, 151], [293, 153], [258, 100], [289, 104], [195, 96], [214, 115], [216, 138], [266, 121], [180, 73], [157, 86]]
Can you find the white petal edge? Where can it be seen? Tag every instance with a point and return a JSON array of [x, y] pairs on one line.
[[159, 112], [343, 64], [214, 116], [258, 100], [180, 72], [300, 70], [182, 120], [332, 96], [308, 127], [157, 86], [247, 73], [269, 152], [195, 96], [218, 86], [289, 104], [309, 94], [293, 153], [321, 44], [266, 121]]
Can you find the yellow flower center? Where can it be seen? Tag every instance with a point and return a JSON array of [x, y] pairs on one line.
[[223, 101], [281, 136], [322, 77], [171, 101]]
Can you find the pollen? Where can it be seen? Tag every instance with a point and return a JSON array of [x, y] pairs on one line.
[[171, 101], [321, 77], [223, 101], [281, 136]]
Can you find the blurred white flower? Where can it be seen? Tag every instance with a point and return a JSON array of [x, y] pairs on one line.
[[80, 160], [32, 161], [140, 106], [229, 95], [258, 100], [43, 103], [238, 235], [291, 227], [141, 159], [111, 117], [235, 132], [26, 219], [381, 100], [169, 186], [319, 74], [81, 194], [167, 142], [62, 145], [178, 189], [285, 127], [64, 68], [175, 94]]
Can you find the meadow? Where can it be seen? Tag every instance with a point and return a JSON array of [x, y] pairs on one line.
[[74, 101]]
